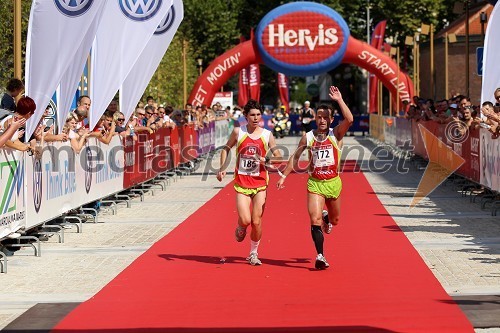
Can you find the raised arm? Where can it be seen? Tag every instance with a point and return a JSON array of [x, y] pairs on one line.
[[342, 128]]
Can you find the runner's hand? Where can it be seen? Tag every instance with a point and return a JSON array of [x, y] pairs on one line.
[[220, 175], [280, 183], [335, 93]]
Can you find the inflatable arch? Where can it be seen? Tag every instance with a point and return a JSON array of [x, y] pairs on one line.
[[301, 39]]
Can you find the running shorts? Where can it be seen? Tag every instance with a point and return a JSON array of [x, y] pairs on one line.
[[249, 191], [329, 188]]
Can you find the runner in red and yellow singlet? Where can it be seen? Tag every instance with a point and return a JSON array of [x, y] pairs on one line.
[[324, 184], [250, 176]]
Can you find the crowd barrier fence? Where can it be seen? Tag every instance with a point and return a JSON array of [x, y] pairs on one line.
[[39, 189], [480, 152]]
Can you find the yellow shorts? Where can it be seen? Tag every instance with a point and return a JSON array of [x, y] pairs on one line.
[[248, 191], [330, 189]]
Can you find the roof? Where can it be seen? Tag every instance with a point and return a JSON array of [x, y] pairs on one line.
[[457, 27]]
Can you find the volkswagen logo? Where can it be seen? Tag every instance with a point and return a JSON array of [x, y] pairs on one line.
[[167, 22], [73, 7], [37, 184], [140, 10], [89, 169]]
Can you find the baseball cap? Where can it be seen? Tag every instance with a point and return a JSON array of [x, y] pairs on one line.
[[453, 106]]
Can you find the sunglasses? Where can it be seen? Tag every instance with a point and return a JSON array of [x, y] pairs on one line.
[[120, 119], [497, 97], [141, 114], [150, 113]]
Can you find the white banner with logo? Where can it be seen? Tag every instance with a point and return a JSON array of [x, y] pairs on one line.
[[55, 32], [225, 98], [72, 76], [490, 160], [137, 80], [12, 194], [130, 24], [62, 180], [491, 70]]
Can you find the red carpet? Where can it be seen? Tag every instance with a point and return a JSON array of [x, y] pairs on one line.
[[377, 282]]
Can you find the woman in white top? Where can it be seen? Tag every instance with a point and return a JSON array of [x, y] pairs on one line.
[[77, 141]]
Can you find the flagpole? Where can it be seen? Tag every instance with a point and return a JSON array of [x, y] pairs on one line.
[[17, 40]]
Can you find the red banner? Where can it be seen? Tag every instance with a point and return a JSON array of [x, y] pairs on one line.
[[243, 87], [283, 89], [254, 81], [377, 41]]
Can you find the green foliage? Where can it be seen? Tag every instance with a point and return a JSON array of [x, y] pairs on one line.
[[212, 27], [7, 37]]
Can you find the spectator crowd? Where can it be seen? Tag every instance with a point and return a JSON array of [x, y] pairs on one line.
[[458, 109]]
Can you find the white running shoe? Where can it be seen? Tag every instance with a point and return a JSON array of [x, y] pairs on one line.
[[254, 260], [327, 226], [321, 262]]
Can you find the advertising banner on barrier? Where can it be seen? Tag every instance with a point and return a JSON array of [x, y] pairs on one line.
[[12, 196], [62, 180], [206, 138], [465, 146], [490, 160], [390, 130], [377, 127], [188, 139], [403, 133], [221, 133]]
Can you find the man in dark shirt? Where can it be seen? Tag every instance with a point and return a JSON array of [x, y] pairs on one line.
[[14, 88]]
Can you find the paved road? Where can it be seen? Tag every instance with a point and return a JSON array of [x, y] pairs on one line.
[[458, 241]]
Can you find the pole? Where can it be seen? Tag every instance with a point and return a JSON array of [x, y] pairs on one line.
[[446, 65], [380, 95], [418, 67], [18, 73], [397, 83], [368, 42], [467, 89], [184, 63], [433, 92]]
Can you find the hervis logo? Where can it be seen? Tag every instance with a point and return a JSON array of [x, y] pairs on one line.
[[140, 10], [167, 22], [73, 7], [302, 38]]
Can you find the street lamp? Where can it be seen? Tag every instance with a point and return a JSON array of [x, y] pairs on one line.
[[200, 65], [483, 18]]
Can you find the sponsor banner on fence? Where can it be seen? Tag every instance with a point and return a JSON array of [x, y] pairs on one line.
[[206, 138], [490, 160], [188, 139], [62, 180], [377, 127], [221, 133], [390, 130], [403, 133], [12, 196]]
